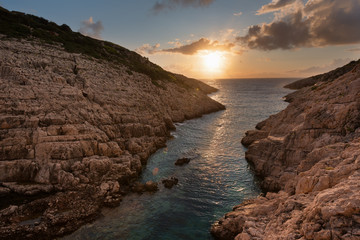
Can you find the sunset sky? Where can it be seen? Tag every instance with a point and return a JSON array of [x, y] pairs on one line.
[[218, 39]]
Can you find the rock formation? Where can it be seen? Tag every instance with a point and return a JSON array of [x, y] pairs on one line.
[[325, 77], [149, 186], [182, 161], [308, 157], [170, 182], [75, 132]]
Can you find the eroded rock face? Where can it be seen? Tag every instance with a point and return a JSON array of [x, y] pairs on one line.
[[71, 123], [308, 156]]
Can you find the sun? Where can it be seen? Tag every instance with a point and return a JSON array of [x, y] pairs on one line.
[[213, 62]]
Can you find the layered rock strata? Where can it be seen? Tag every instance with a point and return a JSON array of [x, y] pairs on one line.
[[75, 133], [308, 157]]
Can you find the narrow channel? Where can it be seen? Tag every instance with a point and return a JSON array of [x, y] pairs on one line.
[[217, 177]]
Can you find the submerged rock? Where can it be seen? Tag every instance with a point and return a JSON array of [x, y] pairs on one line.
[[182, 161], [170, 182], [149, 186], [138, 187]]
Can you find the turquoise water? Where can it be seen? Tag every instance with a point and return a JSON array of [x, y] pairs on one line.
[[216, 179]]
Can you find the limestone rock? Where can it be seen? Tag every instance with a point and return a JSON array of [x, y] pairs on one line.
[[308, 157], [71, 125]]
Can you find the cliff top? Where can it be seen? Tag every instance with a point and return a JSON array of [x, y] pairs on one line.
[[29, 27], [325, 77]]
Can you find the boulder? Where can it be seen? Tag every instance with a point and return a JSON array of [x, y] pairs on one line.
[[182, 161], [170, 182], [151, 186]]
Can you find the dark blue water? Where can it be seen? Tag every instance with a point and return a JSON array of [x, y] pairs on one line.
[[216, 179]]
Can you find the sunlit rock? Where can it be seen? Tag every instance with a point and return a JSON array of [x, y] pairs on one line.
[[79, 129], [308, 159]]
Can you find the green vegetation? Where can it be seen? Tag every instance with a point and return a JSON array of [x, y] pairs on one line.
[[26, 26]]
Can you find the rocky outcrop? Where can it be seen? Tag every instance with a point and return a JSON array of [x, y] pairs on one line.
[[182, 161], [170, 182], [308, 157], [325, 77], [78, 130]]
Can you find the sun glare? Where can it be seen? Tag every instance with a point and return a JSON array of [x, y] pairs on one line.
[[213, 62]]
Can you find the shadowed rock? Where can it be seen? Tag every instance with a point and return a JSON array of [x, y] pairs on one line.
[[169, 183], [182, 161], [149, 186]]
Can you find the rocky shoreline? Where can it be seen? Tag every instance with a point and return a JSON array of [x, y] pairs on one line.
[[308, 157], [75, 132]]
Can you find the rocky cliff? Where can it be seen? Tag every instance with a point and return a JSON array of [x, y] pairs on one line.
[[308, 158], [76, 129], [325, 77]]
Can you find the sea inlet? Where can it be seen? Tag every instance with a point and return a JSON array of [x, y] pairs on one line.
[[216, 179]]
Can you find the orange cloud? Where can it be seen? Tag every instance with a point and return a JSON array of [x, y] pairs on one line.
[[201, 44]]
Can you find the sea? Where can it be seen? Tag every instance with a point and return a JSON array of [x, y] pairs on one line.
[[216, 179]]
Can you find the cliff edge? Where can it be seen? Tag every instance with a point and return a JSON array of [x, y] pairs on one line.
[[308, 158], [325, 77], [79, 118]]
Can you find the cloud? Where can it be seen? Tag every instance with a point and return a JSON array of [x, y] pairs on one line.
[[353, 50], [201, 44], [238, 14], [172, 4], [334, 23], [148, 49], [176, 43], [317, 23], [275, 5], [91, 28], [282, 34]]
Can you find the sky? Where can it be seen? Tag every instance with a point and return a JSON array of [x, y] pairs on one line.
[[218, 38]]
